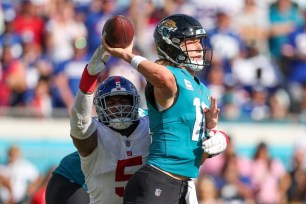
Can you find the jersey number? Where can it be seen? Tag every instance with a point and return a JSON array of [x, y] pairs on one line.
[[121, 176], [199, 119]]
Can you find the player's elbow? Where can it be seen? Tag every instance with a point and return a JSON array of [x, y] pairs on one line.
[[78, 126]]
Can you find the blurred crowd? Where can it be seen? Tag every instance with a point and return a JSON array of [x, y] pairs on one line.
[[228, 178], [258, 71]]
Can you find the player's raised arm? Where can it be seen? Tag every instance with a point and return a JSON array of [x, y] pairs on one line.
[[158, 75], [82, 128]]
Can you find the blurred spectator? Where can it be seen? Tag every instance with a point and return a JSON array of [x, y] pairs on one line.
[[294, 53], [39, 190], [215, 79], [297, 186], [255, 69], [145, 24], [302, 116], [5, 183], [267, 174], [100, 12], [294, 50], [12, 79], [297, 189], [257, 108], [9, 36], [29, 23], [279, 103], [41, 103], [1, 19], [206, 10], [207, 191], [252, 25], [67, 75], [214, 166], [225, 41], [36, 65], [284, 17], [232, 100], [236, 188], [62, 30], [21, 174]]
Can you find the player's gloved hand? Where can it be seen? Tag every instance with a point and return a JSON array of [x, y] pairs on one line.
[[214, 142], [98, 60], [95, 66]]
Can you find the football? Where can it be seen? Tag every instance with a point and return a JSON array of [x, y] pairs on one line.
[[118, 31]]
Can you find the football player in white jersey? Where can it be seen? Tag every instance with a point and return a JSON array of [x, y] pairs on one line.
[[115, 145]]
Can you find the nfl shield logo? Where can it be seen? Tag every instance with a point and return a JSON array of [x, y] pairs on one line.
[[158, 192]]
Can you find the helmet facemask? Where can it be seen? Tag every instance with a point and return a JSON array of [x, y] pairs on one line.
[[117, 102], [119, 116], [182, 57], [197, 65]]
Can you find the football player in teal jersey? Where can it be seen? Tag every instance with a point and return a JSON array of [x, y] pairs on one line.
[[182, 113], [67, 183]]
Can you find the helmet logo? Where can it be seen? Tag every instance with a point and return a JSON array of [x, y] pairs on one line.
[[118, 85], [170, 24], [166, 27]]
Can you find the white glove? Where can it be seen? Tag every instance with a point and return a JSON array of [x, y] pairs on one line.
[[215, 142], [98, 60]]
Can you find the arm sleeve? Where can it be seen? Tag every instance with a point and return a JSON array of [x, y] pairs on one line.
[[81, 124]]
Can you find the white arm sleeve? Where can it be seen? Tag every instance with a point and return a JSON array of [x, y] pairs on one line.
[[81, 124]]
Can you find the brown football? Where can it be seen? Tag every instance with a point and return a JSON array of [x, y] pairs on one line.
[[118, 31]]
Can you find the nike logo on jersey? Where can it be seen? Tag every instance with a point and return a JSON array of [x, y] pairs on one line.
[[188, 85]]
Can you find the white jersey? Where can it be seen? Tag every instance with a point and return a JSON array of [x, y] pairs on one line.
[[108, 168]]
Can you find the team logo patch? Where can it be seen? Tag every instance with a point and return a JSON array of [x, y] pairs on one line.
[[188, 85], [165, 28], [158, 192]]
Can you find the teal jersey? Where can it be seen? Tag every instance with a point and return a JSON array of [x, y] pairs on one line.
[[176, 132], [70, 168]]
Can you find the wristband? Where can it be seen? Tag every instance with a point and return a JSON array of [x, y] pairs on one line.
[[136, 60], [88, 82]]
